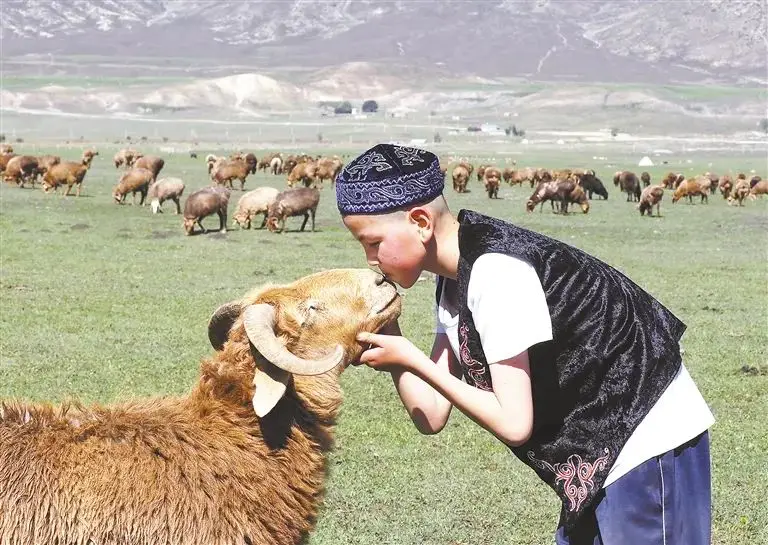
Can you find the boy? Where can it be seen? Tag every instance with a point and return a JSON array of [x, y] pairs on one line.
[[557, 354]]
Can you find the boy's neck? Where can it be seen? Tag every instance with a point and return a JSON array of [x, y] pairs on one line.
[[444, 250]]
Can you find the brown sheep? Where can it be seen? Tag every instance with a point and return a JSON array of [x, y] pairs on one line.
[[241, 458], [6, 148], [5, 159], [725, 184], [203, 203], [629, 184], [253, 203], [289, 163], [651, 196], [558, 191], [672, 180], [304, 172], [151, 163], [125, 157], [714, 179], [328, 168], [226, 171], [68, 173], [491, 181], [740, 192], [481, 173], [760, 188], [167, 189], [468, 166], [521, 176], [645, 177], [460, 176], [293, 202], [576, 196], [690, 188], [45, 162], [135, 180], [21, 169]]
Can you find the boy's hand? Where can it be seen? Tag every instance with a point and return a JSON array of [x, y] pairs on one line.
[[388, 352]]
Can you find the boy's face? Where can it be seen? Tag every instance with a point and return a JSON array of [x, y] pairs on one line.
[[394, 243]]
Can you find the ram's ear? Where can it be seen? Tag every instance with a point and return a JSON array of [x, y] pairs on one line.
[[270, 383]]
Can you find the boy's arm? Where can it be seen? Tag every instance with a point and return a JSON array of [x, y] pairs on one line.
[[507, 411], [428, 409]]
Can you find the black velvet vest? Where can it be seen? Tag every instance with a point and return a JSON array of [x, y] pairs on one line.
[[614, 351]]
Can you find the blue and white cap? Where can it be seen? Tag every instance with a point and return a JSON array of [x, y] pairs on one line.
[[386, 178]]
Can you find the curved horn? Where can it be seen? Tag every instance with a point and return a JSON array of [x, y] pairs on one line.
[[221, 322], [259, 321]]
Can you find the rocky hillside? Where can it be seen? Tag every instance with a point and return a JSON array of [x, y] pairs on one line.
[[653, 41]]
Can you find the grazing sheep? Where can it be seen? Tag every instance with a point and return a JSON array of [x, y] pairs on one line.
[[760, 188], [276, 165], [628, 183], [206, 202], [45, 162], [304, 172], [754, 181], [672, 180], [224, 172], [481, 173], [253, 203], [68, 173], [690, 188], [239, 459], [293, 202], [491, 181], [590, 182], [645, 177], [167, 189], [6, 148], [151, 163], [651, 196], [559, 191], [460, 176], [125, 157], [327, 168], [21, 169], [740, 192], [135, 180], [725, 184], [512, 176], [714, 179], [5, 158], [193, 155]]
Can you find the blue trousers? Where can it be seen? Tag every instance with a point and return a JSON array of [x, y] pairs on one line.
[[664, 501]]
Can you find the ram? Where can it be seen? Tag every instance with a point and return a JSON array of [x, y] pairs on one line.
[[241, 459]]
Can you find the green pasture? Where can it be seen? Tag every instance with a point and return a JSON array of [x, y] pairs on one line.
[[106, 302]]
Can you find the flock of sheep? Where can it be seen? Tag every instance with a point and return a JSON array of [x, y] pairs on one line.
[[141, 178], [563, 187]]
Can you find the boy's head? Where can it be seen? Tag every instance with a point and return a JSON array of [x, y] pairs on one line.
[[391, 199]]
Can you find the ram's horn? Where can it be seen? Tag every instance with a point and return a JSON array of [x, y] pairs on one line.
[[221, 322], [259, 323]]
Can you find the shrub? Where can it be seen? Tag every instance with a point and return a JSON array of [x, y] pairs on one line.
[[343, 108], [370, 107]]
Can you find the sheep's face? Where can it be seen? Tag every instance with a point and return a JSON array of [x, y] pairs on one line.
[[189, 225], [330, 308], [305, 328]]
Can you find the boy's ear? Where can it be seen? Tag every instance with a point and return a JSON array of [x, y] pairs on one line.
[[424, 220]]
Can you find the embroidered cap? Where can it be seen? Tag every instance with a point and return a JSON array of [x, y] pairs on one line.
[[388, 177]]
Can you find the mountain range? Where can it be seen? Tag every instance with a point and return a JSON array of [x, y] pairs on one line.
[[619, 41]]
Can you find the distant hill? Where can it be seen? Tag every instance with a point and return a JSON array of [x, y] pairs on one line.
[[621, 41]]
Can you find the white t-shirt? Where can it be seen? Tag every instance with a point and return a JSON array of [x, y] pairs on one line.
[[512, 315]]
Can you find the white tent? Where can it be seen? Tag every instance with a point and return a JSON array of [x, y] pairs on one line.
[[645, 162]]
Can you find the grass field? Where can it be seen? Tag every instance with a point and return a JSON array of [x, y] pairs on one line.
[[105, 302]]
